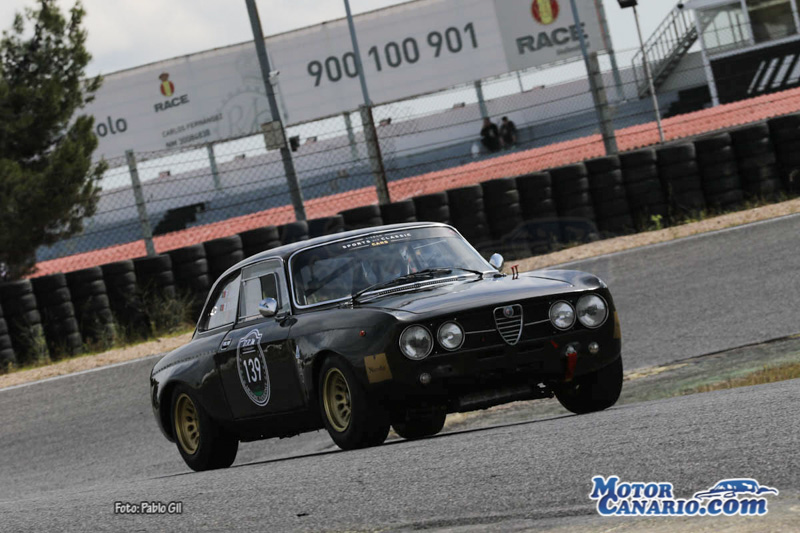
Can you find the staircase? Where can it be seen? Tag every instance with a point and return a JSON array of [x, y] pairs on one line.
[[665, 48]]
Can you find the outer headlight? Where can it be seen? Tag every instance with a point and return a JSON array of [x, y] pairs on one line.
[[450, 336], [562, 315], [416, 342], [592, 311]]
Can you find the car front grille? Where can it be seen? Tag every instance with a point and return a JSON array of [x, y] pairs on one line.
[[508, 320]]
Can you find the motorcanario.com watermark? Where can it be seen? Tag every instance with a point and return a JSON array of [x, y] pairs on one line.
[[728, 497], [148, 508]]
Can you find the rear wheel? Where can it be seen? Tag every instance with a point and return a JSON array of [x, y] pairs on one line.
[[417, 428], [352, 418], [592, 392], [202, 443]]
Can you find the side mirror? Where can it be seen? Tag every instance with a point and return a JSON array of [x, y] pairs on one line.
[[497, 261], [268, 307]]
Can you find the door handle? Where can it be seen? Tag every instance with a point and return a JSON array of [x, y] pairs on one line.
[[225, 343]]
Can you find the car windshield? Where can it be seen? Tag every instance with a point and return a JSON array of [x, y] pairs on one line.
[[340, 270]]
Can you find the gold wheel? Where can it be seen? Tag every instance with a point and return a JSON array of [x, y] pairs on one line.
[[187, 426], [336, 398]]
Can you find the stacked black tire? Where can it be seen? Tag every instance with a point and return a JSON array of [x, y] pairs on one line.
[[574, 203], [155, 277], [294, 232], [719, 172], [55, 306], [366, 216], [21, 313], [257, 240], [539, 211], [325, 226], [645, 195], [190, 269], [468, 216], [758, 164], [92, 306], [504, 214], [7, 356], [609, 196], [432, 207], [125, 299], [400, 212], [680, 177], [785, 135], [222, 254]]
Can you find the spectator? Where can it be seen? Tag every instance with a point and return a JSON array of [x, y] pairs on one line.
[[508, 133], [490, 136]]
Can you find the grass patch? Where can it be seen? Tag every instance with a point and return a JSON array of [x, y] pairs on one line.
[[767, 374]]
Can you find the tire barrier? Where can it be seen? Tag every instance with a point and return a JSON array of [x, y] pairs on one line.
[[609, 196], [468, 216], [399, 212], [432, 207], [785, 134], [24, 322], [680, 177], [7, 356], [92, 306], [325, 226], [365, 216], [125, 298], [190, 268], [645, 195], [758, 164], [257, 240], [155, 277], [539, 211], [574, 203], [59, 322], [504, 215], [222, 254], [293, 232], [719, 172]]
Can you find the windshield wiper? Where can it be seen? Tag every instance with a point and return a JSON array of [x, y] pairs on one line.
[[428, 273], [471, 271]]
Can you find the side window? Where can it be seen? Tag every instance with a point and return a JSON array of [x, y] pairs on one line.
[[223, 305], [264, 280]]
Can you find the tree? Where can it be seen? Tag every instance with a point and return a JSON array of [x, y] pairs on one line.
[[48, 184]]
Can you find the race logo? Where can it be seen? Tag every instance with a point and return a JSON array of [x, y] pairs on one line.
[[729, 497], [545, 11], [167, 87], [252, 366]]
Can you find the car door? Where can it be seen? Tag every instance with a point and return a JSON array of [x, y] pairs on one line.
[[257, 359]]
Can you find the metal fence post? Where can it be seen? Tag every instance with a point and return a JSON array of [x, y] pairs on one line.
[[144, 221], [351, 136], [481, 100], [212, 162], [375, 156]]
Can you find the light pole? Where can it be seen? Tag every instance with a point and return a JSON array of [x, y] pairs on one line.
[[632, 3]]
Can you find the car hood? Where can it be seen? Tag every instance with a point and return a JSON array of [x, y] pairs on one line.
[[473, 292]]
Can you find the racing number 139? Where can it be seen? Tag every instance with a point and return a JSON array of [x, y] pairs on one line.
[[252, 369], [395, 54]]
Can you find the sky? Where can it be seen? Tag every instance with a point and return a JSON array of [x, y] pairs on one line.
[[126, 34]]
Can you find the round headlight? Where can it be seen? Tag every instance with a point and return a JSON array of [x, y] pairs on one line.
[[592, 311], [450, 336], [416, 343], [562, 315]]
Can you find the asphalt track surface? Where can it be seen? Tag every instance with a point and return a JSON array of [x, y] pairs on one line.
[[71, 447]]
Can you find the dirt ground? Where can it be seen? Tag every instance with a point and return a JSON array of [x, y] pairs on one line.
[[586, 251]]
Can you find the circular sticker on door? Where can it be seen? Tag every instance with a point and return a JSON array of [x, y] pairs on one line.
[[253, 368]]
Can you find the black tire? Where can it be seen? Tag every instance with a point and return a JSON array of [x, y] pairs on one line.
[[187, 254], [778, 125], [60, 312], [368, 422], [399, 212], [606, 180], [573, 201], [420, 427], [325, 226], [534, 182], [294, 232], [46, 284], [722, 185], [720, 170], [602, 165], [603, 196], [120, 268], [223, 246], [570, 187], [215, 448], [7, 359], [712, 144], [612, 209], [758, 161], [260, 239], [725, 199], [753, 148], [638, 158], [678, 171], [639, 174], [710, 159], [749, 133], [671, 155], [592, 392], [568, 173], [147, 267], [758, 174], [55, 297], [366, 216]]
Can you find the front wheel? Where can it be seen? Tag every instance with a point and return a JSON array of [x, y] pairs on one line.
[[592, 392], [352, 418], [417, 428], [202, 443]]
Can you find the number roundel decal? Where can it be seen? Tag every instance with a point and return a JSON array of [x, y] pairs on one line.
[[252, 367]]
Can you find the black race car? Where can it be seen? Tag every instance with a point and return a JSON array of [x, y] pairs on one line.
[[390, 326]]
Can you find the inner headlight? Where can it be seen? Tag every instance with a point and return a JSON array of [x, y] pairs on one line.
[[450, 336], [416, 342], [562, 315], [592, 311]]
